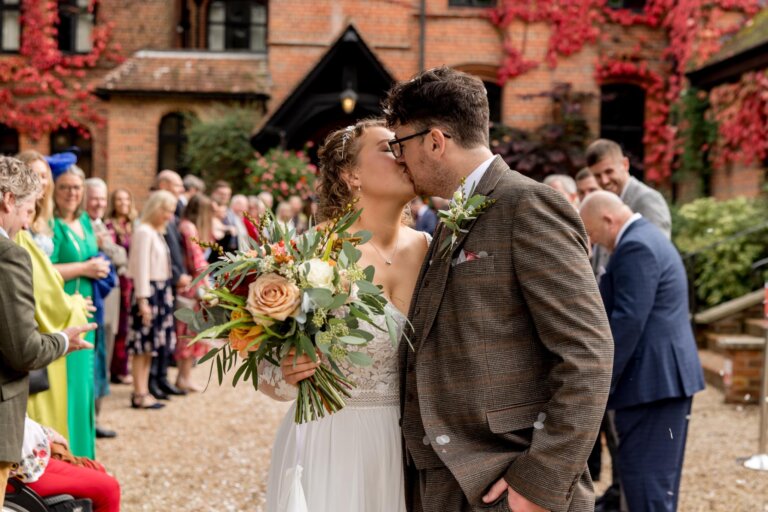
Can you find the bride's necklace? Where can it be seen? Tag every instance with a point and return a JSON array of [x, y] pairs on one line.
[[388, 261]]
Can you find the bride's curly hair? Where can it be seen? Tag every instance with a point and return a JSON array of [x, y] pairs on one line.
[[338, 156]]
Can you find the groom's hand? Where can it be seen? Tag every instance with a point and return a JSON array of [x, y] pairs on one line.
[[516, 502], [296, 369]]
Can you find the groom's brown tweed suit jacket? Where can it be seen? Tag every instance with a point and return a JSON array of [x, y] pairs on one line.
[[512, 339]]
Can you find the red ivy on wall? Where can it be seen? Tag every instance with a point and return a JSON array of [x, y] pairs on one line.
[[43, 89], [692, 28], [741, 113]]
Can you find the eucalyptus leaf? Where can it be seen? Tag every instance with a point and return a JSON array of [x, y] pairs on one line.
[[352, 340], [368, 288], [360, 359]]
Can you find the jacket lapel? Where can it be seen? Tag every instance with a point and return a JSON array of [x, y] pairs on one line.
[[438, 271]]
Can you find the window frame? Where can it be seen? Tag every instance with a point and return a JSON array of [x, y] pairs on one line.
[[75, 138], [623, 6], [78, 13], [179, 139], [227, 25], [6, 7], [11, 149], [476, 4]]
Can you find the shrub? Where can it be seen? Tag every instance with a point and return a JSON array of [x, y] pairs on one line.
[[723, 271], [282, 172]]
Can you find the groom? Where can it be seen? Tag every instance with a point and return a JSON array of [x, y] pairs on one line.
[[503, 394]]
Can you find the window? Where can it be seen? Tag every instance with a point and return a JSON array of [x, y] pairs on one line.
[[72, 139], [237, 25], [171, 143], [622, 115], [494, 101], [632, 5], [75, 26], [10, 31], [9, 140], [471, 3]]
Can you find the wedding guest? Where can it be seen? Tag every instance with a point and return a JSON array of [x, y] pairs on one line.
[[426, 218], [119, 222], [610, 168], [224, 235], [586, 183], [221, 195], [256, 207], [107, 307], [566, 186], [22, 346], [149, 265], [656, 367], [170, 181], [192, 186], [299, 217], [196, 225], [268, 199], [239, 206], [40, 229], [284, 216], [75, 256], [48, 475]]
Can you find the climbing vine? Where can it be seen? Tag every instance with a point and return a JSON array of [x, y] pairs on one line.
[[693, 28], [41, 88]]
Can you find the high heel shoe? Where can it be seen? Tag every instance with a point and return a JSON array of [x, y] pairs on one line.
[[140, 402]]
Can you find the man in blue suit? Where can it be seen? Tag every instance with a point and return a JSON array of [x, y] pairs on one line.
[[656, 368]]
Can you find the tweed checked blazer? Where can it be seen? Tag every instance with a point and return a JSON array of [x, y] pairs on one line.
[[512, 339], [22, 347]]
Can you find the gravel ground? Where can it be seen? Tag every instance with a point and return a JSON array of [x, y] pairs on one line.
[[210, 451]]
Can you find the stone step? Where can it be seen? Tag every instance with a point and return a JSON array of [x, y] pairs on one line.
[[713, 364], [756, 326], [720, 342]]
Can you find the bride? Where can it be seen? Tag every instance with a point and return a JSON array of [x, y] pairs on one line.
[[352, 459]]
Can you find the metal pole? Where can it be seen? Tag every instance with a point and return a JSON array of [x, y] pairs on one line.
[[759, 461]]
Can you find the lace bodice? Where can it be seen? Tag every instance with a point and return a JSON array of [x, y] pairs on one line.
[[376, 385]]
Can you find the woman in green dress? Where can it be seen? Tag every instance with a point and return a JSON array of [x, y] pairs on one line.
[[75, 257]]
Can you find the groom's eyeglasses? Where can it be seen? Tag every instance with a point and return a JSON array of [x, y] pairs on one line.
[[396, 145]]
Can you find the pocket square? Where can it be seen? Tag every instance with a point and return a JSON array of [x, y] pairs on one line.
[[465, 256]]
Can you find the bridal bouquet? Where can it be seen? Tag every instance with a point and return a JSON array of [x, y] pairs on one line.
[[306, 293]]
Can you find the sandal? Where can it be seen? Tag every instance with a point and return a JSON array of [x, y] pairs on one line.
[[140, 402]]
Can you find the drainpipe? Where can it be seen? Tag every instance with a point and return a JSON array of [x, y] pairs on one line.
[[422, 32]]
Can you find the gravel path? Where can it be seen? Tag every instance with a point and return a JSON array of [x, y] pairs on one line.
[[210, 451]]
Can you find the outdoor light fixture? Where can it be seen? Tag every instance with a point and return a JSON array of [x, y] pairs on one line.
[[348, 99]]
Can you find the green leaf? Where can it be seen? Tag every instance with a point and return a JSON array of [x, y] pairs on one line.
[[392, 329], [338, 301], [352, 340], [361, 334], [368, 288], [352, 254], [360, 359], [308, 347], [364, 236], [239, 373], [320, 296]]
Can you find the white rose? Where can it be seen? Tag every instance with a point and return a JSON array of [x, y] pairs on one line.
[[319, 274]]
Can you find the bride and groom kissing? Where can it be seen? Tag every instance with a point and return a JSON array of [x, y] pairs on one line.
[[494, 396]]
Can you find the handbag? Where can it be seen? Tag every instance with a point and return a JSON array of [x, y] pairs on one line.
[[38, 381]]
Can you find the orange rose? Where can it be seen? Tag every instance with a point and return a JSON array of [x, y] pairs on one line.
[[273, 296], [241, 337]]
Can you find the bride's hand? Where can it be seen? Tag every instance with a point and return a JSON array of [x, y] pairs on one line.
[[296, 369]]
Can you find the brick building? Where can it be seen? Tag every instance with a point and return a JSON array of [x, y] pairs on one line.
[[298, 59]]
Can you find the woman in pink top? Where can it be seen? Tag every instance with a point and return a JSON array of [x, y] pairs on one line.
[[196, 225], [149, 265]]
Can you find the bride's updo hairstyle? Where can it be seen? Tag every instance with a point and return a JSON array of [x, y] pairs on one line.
[[338, 156]]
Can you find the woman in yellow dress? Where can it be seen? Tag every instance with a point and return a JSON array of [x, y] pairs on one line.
[[54, 308]]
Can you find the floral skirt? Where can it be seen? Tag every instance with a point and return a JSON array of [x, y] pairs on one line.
[[144, 339]]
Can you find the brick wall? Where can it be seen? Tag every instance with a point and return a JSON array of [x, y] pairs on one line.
[[737, 180]]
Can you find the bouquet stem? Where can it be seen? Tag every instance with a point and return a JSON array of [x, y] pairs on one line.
[[323, 392]]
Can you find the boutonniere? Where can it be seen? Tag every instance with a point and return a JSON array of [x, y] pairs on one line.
[[463, 209]]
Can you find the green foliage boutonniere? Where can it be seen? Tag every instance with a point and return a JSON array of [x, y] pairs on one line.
[[463, 209]]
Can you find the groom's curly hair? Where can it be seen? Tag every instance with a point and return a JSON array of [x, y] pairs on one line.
[[338, 156], [441, 97]]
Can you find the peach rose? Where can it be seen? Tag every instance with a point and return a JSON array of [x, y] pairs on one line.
[[241, 337], [273, 296]]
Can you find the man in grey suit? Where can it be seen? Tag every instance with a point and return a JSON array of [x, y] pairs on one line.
[[610, 168], [22, 347]]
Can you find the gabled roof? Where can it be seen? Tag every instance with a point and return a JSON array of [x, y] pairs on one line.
[[746, 51], [192, 73], [349, 62]]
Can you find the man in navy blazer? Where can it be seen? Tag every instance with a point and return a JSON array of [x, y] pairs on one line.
[[656, 368]]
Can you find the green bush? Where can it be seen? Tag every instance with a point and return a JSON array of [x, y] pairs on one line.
[[722, 272], [219, 148], [282, 172]]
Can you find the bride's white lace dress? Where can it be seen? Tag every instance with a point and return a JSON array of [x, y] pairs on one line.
[[352, 459]]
